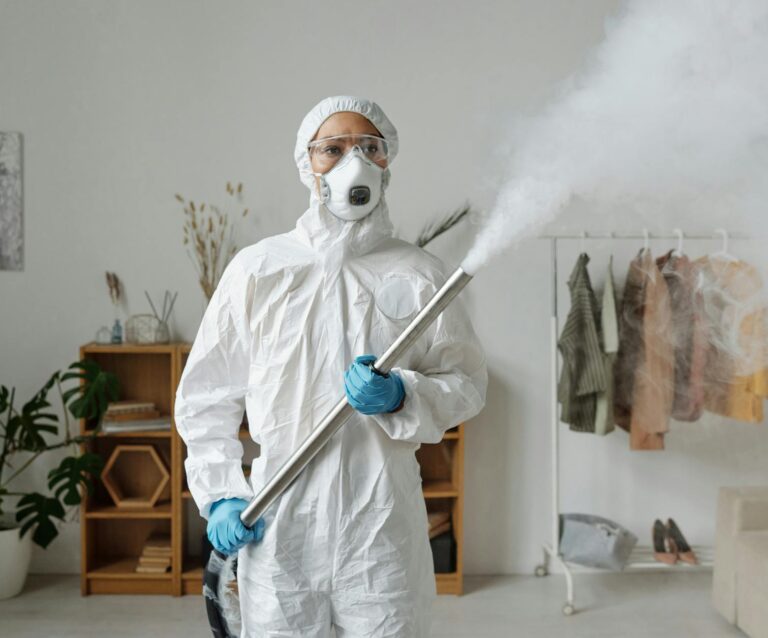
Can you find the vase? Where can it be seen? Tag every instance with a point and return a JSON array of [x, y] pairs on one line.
[[117, 332], [15, 554]]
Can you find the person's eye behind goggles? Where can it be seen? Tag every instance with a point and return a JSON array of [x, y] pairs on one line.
[[326, 152]]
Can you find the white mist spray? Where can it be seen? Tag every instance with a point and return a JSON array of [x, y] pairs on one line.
[[670, 115]]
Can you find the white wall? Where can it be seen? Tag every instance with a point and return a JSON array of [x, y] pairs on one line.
[[122, 104]]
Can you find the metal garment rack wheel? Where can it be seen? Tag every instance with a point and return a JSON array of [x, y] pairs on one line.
[[552, 549]]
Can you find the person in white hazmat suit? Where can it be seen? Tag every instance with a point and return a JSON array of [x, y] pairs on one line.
[[346, 546]]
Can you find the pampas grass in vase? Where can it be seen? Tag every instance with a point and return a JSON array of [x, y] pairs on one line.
[[209, 237], [115, 293]]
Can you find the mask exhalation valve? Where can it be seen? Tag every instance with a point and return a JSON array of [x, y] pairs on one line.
[[359, 195]]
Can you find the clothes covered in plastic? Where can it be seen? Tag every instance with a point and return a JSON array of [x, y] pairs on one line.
[[736, 368], [347, 544], [688, 334], [645, 366], [692, 338]]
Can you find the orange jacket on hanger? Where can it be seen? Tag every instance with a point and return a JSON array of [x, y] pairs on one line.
[[645, 366], [735, 379]]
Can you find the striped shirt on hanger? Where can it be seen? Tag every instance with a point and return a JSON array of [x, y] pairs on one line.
[[584, 372]]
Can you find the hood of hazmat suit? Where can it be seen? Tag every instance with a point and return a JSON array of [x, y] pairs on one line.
[[347, 544]]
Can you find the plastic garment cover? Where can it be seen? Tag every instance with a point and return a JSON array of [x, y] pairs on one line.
[[736, 370], [347, 544], [645, 367], [687, 335]]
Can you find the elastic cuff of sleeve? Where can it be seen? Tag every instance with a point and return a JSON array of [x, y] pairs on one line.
[[223, 481]]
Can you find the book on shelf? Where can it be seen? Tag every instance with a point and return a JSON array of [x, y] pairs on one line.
[[155, 560], [137, 425], [156, 555], [132, 416], [438, 518], [152, 569], [439, 523], [158, 541], [440, 529], [130, 405]]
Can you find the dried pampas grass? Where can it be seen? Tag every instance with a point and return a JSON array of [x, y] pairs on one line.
[[208, 236], [115, 287]]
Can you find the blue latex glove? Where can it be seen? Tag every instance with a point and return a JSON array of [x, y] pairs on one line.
[[370, 392], [225, 529]]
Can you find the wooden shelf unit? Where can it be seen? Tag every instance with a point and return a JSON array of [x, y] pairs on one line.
[[442, 483], [112, 538]]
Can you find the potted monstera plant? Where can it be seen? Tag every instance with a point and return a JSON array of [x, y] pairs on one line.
[[31, 435]]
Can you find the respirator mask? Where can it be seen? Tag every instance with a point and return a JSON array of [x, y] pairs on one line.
[[350, 179]]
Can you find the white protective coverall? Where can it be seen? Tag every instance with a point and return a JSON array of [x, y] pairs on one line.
[[347, 544]]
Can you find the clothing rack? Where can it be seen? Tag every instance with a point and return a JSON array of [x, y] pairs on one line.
[[641, 557]]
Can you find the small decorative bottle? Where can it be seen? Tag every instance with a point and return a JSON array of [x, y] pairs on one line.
[[117, 332]]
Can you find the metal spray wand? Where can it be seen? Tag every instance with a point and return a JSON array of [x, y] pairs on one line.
[[342, 411]]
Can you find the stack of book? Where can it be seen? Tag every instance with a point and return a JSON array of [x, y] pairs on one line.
[[439, 523], [133, 416], [156, 556]]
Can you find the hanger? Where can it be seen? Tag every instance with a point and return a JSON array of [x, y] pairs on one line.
[[723, 252], [680, 236]]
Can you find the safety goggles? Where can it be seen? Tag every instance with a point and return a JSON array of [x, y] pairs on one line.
[[329, 150]]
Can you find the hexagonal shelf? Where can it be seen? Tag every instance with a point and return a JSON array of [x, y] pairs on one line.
[[135, 476]]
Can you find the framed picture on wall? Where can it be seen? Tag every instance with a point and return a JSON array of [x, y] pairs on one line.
[[11, 205]]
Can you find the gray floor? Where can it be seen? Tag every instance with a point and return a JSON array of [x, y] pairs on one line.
[[612, 605]]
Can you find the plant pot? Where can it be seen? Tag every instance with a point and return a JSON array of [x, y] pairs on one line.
[[15, 554]]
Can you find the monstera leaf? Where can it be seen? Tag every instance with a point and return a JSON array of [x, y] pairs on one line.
[[38, 511], [25, 430], [73, 472], [5, 400], [33, 430], [91, 397]]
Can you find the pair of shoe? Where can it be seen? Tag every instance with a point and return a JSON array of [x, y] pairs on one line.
[[669, 544]]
